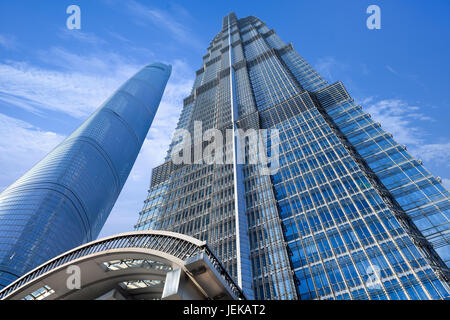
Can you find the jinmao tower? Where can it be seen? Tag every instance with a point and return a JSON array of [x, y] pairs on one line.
[[65, 199], [348, 214]]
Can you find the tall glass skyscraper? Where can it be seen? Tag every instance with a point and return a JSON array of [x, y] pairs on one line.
[[64, 200], [350, 214]]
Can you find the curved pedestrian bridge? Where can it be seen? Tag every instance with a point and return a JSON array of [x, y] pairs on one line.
[[135, 265]]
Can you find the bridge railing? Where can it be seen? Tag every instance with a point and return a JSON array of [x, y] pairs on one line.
[[179, 247]]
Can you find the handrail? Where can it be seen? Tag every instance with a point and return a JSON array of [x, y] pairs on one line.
[[149, 239]]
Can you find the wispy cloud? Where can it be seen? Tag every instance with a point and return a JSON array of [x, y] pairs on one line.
[[100, 62], [130, 45], [118, 36], [392, 70], [330, 68], [21, 146], [412, 78], [86, 37], [36, 88], [438, 153], [166, 21], [69, 83], [8, 41], [446, 183], [325, 65], [404, 122], [397, 116], [21, 102]]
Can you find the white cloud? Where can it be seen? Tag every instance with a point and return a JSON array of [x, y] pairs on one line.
[[401, 119], [74, 93], [446, 183], [22, 145], [396, 116], [106, 64], [438, 153], [69, 83], [21, 102], [77, 84]]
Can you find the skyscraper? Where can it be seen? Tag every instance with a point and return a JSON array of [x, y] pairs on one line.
[[65, 199], [350, 214]]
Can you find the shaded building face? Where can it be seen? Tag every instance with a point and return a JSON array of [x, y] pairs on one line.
[[65, 199], [348, 214]]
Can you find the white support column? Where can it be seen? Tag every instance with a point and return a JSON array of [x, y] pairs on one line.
[[244, 271]]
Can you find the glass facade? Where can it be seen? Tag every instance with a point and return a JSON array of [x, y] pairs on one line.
[[350, 214], [65, 199]]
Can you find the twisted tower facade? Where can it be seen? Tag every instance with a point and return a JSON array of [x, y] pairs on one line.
[[65, 199]]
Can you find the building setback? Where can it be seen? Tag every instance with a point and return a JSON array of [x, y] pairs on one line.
[[65, 199], [350, 214]]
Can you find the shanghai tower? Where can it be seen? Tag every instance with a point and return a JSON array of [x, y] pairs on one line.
[[65, 199], [349, 214]]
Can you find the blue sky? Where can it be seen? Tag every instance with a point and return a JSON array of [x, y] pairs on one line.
[[52, 78]]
